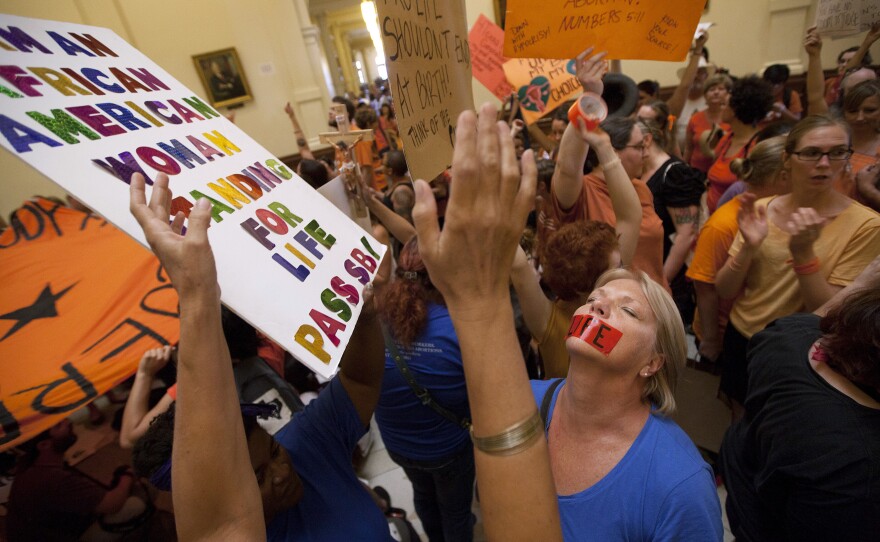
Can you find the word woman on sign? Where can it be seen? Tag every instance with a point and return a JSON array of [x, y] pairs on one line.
[[299, 485]]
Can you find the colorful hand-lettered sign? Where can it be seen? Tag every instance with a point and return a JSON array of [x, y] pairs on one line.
[[837, 18], [80, 302], [429, 71], [541, 84], [88, 110], [486, 41], [627, 29]]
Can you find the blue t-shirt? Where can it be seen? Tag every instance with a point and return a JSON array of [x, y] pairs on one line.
[[334, 506], [661, 490], [408, 427]]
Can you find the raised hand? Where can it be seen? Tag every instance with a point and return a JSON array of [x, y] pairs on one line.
[[469, 261], [701, 41], [804, 227], [590, 69], [752, 220], [154, 359], [813, 41], [187, 258]]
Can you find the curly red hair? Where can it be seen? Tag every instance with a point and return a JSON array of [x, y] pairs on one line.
[[575, 255], [404, 303]]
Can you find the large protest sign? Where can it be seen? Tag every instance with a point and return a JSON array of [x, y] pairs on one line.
[[80, 302], [429, 72], [542, 84], [88, 110], [486, 40], [838, 18], [627, 29]]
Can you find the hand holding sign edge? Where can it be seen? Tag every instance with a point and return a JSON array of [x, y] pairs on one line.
[[187, 257]]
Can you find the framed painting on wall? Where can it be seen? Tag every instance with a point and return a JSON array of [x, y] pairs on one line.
[[223, 77]]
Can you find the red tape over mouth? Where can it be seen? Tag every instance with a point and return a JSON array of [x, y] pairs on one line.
[[595, 332]]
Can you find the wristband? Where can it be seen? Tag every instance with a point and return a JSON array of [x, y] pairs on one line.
[[511, 441], [612, 163], [807, 268]]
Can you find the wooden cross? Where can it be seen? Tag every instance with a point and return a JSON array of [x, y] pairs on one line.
[[344, 141]]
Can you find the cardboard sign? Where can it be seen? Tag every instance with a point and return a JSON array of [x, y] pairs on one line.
[[88, 110], [627, 29], [542, 84], [837, 18], [429, 71], [80, 302], [487, 40]]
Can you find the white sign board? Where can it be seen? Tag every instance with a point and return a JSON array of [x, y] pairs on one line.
[[88, 110], [838, 18]]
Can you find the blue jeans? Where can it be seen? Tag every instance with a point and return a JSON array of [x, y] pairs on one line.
[[443, 492]]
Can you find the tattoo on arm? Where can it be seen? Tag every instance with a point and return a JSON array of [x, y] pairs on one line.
[[685, 215]]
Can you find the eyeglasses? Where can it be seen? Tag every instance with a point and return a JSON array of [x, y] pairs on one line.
[[812, 154], [640, 147]]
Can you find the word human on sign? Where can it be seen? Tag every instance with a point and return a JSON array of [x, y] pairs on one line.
[[429, 71]]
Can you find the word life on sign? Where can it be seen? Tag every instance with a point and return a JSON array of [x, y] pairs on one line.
[[88, 110], [627, 29], [429, 72]]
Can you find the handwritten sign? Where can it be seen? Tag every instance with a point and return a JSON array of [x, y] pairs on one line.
[[88, 110], [487, 41], [79, 326], [542, 84], [627, 29], [838, 18], [429, 71]]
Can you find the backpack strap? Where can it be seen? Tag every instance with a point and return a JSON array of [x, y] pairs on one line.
[[548, 397], [423, 394]]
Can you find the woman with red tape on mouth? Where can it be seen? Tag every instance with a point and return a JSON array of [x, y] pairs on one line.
[[794, 252], [622, 468]]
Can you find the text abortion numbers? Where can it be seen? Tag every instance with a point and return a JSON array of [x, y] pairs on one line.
[[86, 109], [429, 71], [627, 29]]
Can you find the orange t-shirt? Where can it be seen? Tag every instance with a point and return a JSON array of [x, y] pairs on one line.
[[719, 175], [710, 255], [366, 155], [846, 182], [698, 124], [594, 203]]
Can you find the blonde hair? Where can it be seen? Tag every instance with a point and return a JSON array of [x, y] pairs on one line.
[[671, 342], [763, 163]]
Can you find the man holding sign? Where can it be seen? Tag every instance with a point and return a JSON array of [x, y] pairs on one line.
[[214, 459]]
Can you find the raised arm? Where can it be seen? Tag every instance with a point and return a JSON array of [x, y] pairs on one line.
[[752, 222], [397, 226], [872, 36], [363, 363], [679, 96], [815, 75], [207, 505], [301, 140], [535, 306], [568, 179], [469, 262], [804, 228], [685, 220], [624, 199], [137, 415]]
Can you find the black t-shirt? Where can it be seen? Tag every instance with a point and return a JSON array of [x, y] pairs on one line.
[[674, 184], [804, 463]]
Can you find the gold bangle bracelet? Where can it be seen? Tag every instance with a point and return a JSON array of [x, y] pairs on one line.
[[511, 441]]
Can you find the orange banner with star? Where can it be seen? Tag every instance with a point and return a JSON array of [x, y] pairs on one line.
[[80, 302]]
